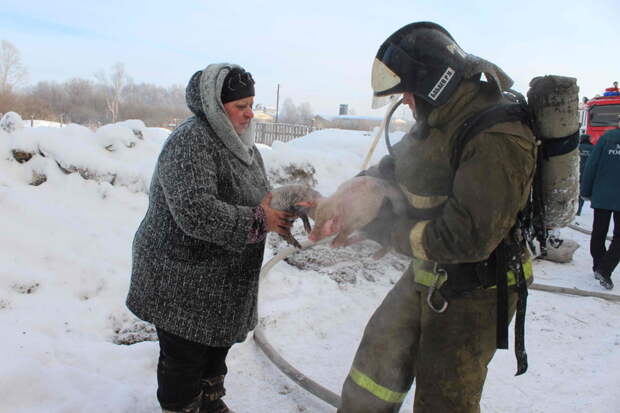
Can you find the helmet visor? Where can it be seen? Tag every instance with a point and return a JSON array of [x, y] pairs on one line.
[[383, 81], [382, 78]]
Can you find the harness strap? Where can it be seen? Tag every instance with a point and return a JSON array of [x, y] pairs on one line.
[[502, 296], [501, 112], [520, 321], [559, 146]]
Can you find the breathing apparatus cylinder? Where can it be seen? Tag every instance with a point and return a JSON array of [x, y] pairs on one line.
[[553, 102]]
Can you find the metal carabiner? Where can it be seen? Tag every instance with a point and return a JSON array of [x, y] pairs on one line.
[[431, 291]]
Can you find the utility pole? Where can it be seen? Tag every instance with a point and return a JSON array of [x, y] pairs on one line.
[[277, 102]]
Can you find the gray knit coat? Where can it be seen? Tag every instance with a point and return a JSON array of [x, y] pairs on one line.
[[194, 274]]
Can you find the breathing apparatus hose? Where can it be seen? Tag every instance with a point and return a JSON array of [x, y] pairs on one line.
[[388, 118], [384, 127]]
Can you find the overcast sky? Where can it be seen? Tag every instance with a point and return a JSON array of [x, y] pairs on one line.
[[318, 51]]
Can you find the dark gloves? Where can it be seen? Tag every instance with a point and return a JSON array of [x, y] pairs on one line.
[[390, 230], [400, 239], [385, 169], [380, 229]]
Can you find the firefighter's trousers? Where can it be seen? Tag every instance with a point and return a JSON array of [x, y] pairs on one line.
[[446, 353]]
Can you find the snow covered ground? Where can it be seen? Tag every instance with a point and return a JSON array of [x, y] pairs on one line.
[[64, 273]]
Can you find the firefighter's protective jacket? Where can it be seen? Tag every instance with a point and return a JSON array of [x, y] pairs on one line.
[[463, 218]]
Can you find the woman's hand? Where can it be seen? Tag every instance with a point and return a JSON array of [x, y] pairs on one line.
[[275, 219]]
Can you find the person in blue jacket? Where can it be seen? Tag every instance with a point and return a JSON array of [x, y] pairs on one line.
[[600, 185], [585, 149]]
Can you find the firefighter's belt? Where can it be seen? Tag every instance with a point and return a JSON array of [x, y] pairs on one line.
[[464, 273]]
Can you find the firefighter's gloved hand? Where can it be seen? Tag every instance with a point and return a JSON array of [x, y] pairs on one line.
[[400, 239], [385, 169], [380, 229]]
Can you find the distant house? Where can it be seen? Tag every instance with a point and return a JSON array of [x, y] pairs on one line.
[[352, 122], [260, 116], [263, 113]]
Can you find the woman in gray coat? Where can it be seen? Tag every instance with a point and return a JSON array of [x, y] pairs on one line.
[[198, 251]]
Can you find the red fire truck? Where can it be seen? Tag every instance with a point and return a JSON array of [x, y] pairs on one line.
[[600, 114]]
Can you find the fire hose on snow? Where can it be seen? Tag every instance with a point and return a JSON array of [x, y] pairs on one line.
[[285, 367], [327, 395], [584, 231]]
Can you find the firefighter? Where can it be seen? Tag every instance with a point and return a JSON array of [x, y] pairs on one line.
[[438, 325]]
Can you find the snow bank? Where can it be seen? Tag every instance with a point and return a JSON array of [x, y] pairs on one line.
[[335, 154], [11, 122], [122, 154]]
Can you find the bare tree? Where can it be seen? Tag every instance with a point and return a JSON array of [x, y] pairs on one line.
[[85, 102], [31, 106], [8, 102], [12, 71], [113, 97], [114, 87], [305, 113], [289, 112], [153, 104]]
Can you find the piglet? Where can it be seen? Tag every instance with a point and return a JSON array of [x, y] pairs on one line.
[[355, 204], [300, 200]]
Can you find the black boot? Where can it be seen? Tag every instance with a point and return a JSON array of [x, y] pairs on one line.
[[606, 282], [215, 406], [212, 392], [193, 407]]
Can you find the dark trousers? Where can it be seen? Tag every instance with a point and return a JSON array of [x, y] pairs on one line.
[[186, 369], [604, 259], [581, 202]]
